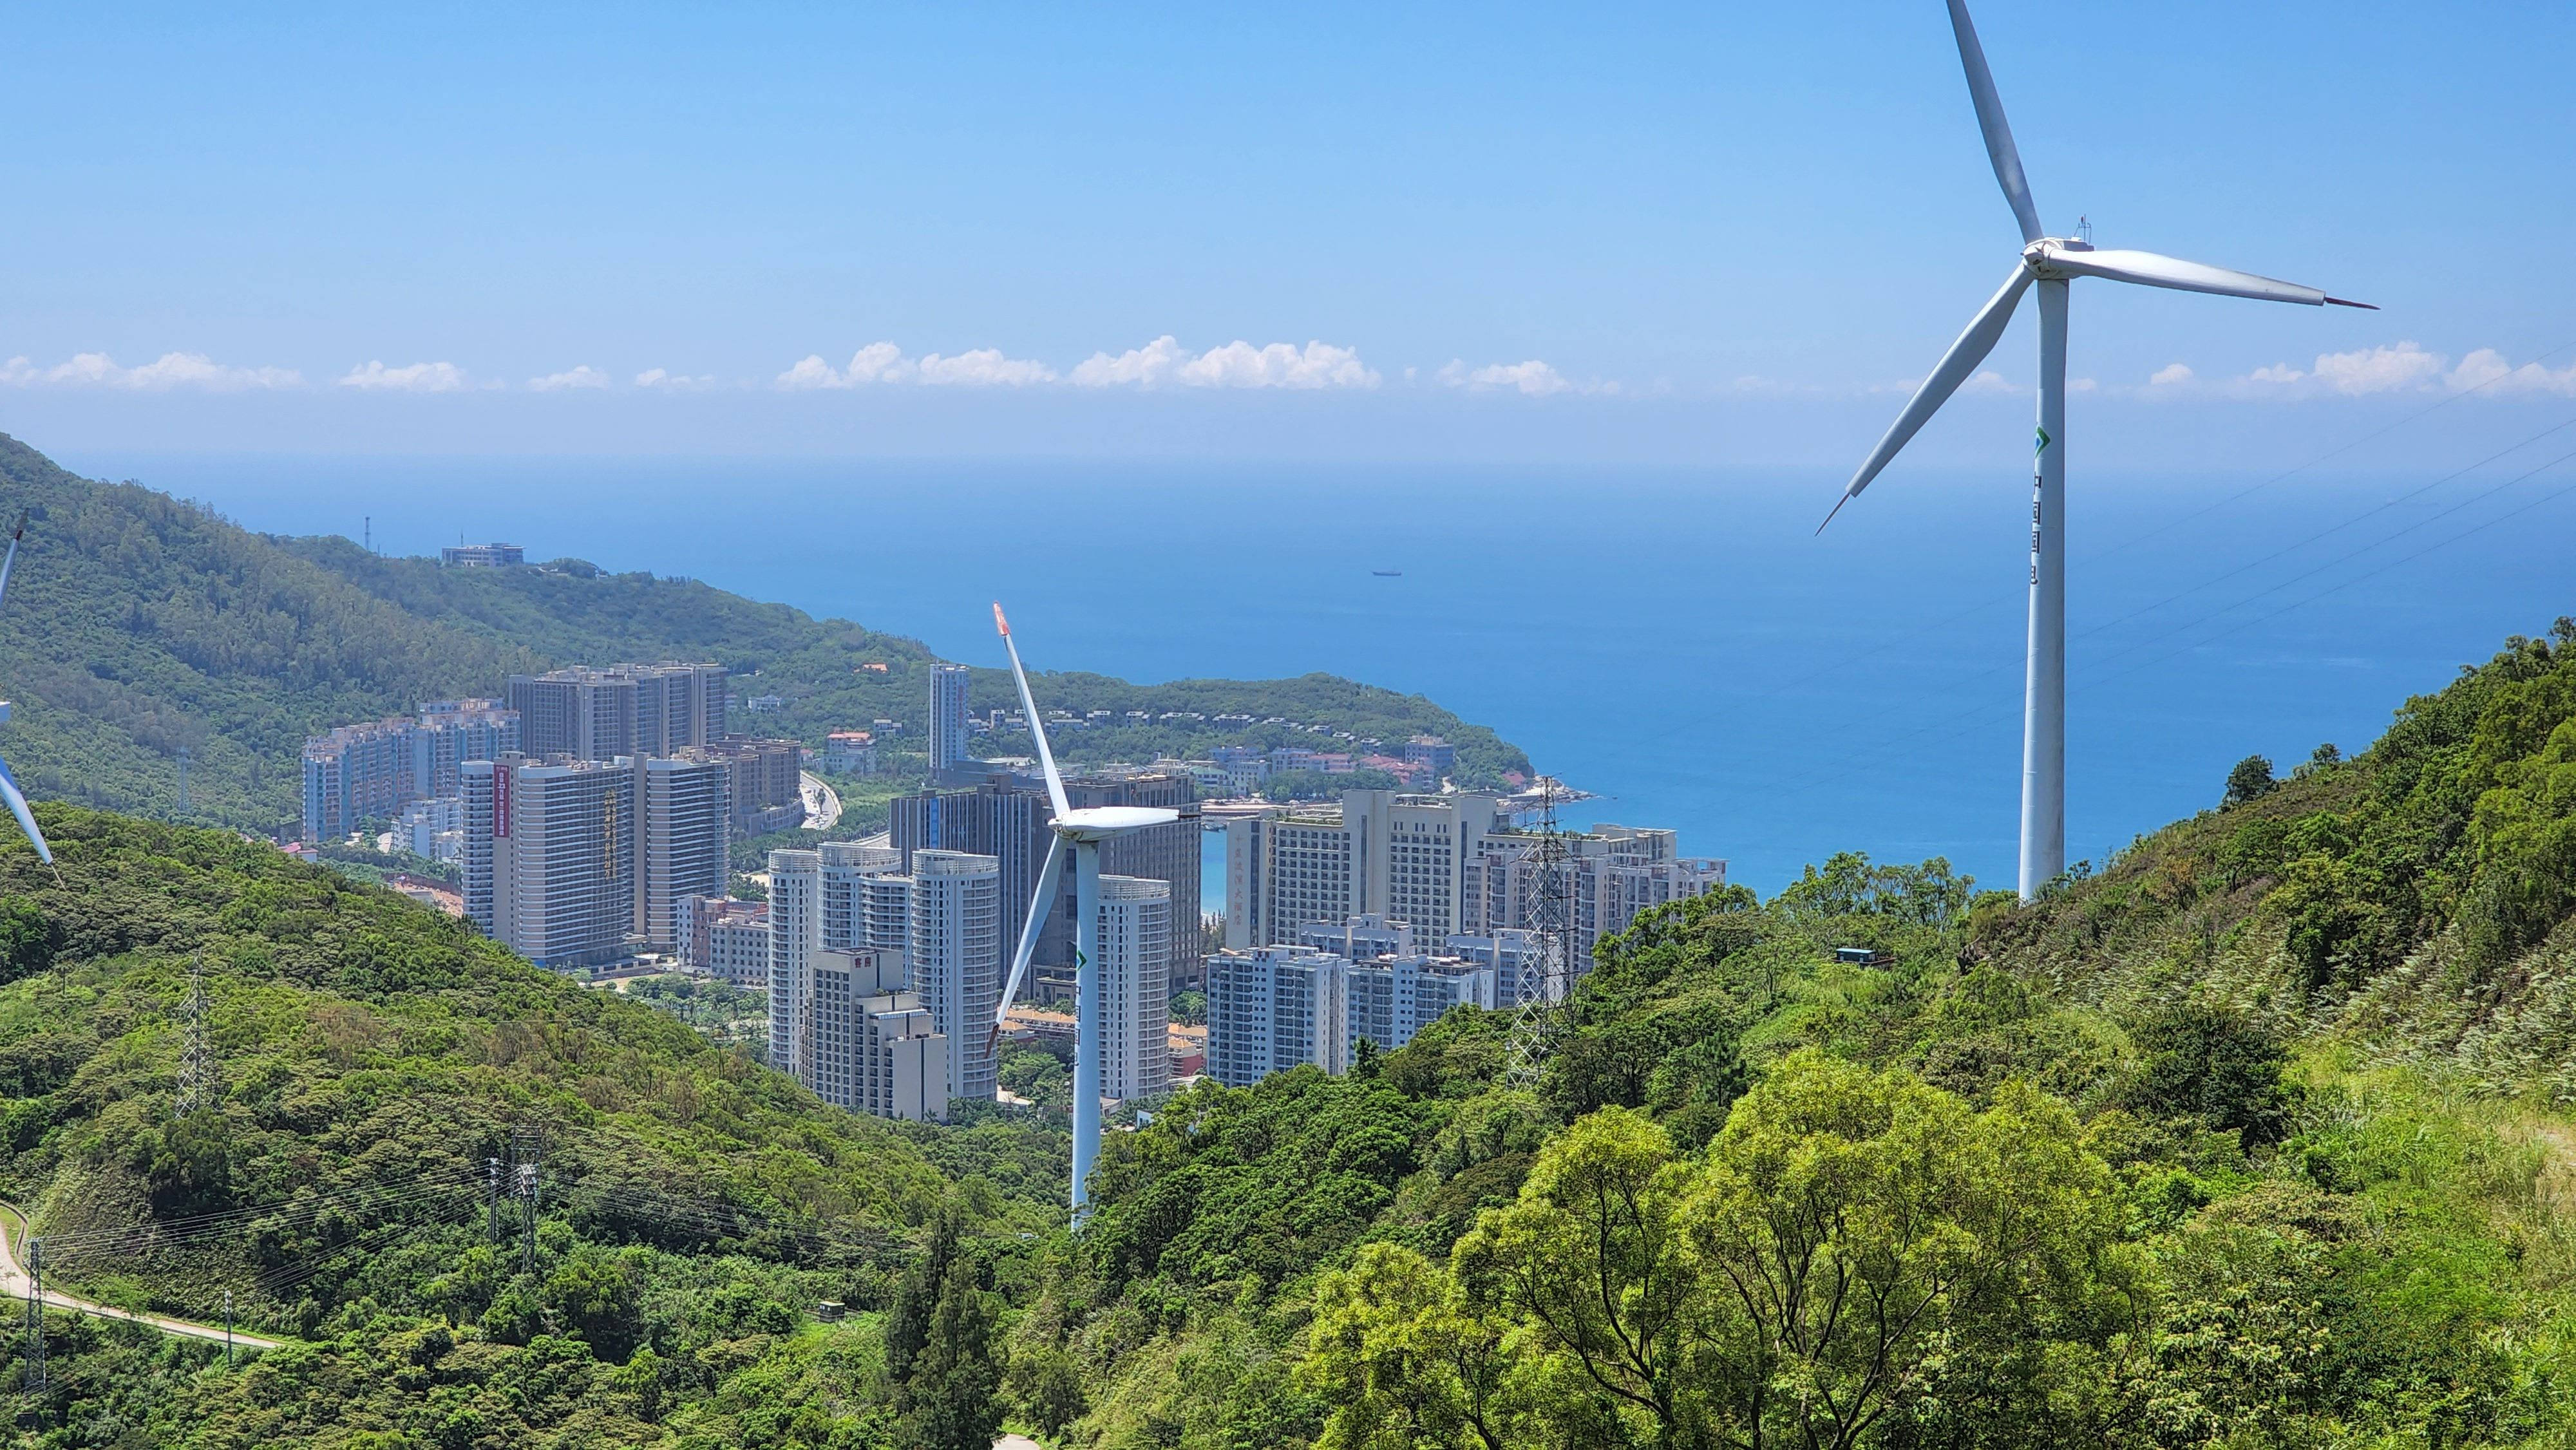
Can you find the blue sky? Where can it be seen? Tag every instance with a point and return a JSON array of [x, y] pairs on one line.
[[1684, 234]]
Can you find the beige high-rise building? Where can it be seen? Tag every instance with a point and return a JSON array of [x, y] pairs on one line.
[[681, 850], [1402, 856], [1135, 981], [795, 935], [956, 958], [550, 857]]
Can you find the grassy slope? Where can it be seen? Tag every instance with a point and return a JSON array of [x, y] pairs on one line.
[[364, 1042]]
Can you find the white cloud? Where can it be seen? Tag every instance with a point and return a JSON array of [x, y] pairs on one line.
[[2403, 367], [427, 377], [813, 372], [1532, 378], [1153, 365], [878, 362], [1537, 379], [1164, 362], [985, 367], [674, 382], [2379, 369], [1988, 383], [581, 376], [2487, 371], [883, 362], [170, 370]]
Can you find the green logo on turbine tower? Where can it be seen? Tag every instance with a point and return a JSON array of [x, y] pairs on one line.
[[2043, 441]]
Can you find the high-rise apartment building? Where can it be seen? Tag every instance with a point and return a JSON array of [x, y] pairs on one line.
[[956, 958], [1445, 865], [355, 774], [681, 848], [550, 865], [848, 868], [450, 732], [1390, 998], [370, 772], [1358, 937], [882, 1054], [1135, 987], [947, 716], [999, 819], [859, 1039], [1403, 856], [885, 909], [1273, 1008], [795, 935], [764, 781], [1611, 874], [433, 828], [629, 709]]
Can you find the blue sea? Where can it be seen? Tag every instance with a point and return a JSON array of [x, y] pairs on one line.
[[1681, 643]]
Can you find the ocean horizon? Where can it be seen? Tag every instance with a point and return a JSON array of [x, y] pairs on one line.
[[1680, 642]]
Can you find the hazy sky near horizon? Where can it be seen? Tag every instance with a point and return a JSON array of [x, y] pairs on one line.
[[1674, 233]]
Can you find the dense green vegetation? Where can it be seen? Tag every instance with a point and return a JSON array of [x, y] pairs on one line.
[[371, 1054], [2256, 1136], [138, 624]]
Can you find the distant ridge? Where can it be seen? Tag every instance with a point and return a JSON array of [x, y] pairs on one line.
[[140, 623]]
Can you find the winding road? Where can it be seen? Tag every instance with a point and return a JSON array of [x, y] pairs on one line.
[[15, 1283], [822, 803]]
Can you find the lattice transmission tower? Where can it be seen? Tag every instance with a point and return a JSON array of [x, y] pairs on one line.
[[196, 1054], [1539, 988]]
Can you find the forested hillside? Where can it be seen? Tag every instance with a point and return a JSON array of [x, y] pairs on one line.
[[137, 624], [2257, 1136], [367, 1057]]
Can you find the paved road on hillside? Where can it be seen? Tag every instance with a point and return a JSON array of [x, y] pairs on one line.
[[822, 803], [15, 1283]]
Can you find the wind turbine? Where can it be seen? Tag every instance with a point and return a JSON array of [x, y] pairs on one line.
[[1079, 832], [9, 783], [2050, 263]]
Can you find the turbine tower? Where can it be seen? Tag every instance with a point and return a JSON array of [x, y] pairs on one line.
[[1079, 832], [9, 783], [2050, 263]]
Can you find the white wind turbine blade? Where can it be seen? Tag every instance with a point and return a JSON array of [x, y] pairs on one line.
[[11, 562], [1029, 708], [26, 818], [9, 783], [1050, 876], [1990, 119], [1956, 367], [2151, 270]]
